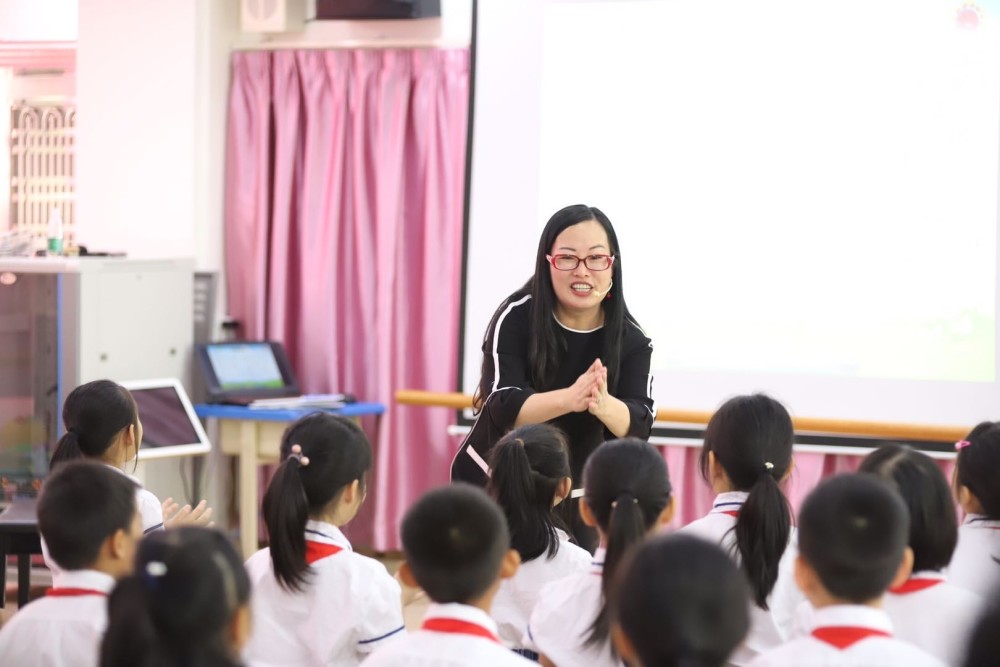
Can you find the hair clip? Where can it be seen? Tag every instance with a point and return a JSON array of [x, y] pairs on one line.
[[155, 568], [297, 454], [768, 466], [962, 444], [635, 501]]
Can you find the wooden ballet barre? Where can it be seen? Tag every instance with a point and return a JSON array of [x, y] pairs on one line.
[[812, 425]]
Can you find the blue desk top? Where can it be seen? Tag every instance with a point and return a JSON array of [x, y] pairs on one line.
[[213, 411]]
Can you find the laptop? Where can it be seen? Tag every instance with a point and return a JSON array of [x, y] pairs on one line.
[[240, 373], [169, 425]]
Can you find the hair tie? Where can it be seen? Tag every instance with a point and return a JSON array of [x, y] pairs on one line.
[[961, 444], [297, 454], [74, 430], [622, 497], [768, 466], [152, 574]]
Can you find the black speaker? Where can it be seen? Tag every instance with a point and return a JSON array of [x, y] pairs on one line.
[[377, 9]]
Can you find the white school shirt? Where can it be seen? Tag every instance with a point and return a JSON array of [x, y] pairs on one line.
[[561, 620], [848, 636], [768, 628], [452, 635], [934, 615], [63, 629], [518, 595], [350, 607], [150, 511], [972, 565]]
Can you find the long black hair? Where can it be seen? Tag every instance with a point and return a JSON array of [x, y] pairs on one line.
[[681, 602], [526, 468], [927, 496], [339, 453], [627, 487], [751, 437], [174, 610], [94, 414], [978, 467], [546, 349]]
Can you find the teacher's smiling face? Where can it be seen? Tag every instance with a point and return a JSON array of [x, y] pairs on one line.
[[580, 290]]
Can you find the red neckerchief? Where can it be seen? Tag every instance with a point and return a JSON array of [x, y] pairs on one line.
[[455, 626], [843, 636], [318, 550]]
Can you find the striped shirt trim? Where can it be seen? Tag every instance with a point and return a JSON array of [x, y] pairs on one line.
[[149, 530], [385, 636], [496, 339]]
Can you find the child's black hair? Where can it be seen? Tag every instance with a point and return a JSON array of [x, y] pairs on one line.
[[175, 609], [927, 496], [338, 453], [853, 530], [681, 601], [526, 467], [627, 487], [81, 505], [984, 644], [751, 438], [455, 539], [978, 467], [93, 415]]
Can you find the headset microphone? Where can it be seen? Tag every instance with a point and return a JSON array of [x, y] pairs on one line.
[[605, 292]]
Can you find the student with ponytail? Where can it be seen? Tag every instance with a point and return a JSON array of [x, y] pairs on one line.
[[627, 494], [316, 602], [102, 424], [747, 453], [530, 477], [186, 605], [976, 562]]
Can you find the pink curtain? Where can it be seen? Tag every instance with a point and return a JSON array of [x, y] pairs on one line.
[[694, 497], [344, 194]]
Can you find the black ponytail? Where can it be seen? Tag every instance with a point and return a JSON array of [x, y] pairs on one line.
[[174, 610], [626, 487], [94, 414], [338, 453], [751, 437], [978, 467], [526, 467]]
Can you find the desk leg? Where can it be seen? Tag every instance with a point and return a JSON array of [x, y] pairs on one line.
[[249, 510], [23, 579], [3, 571]]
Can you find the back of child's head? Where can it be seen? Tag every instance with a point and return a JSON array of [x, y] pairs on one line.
[[626, 488], [81, 505], [984, 642], [927, 496], [321, 454], [94, 414], [977, 467], [681, 601], [178, 606], [527, 467], [853, 531], [751, 439], [455, 539]]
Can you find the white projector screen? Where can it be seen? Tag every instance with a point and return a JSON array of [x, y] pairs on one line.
[[806, 194]]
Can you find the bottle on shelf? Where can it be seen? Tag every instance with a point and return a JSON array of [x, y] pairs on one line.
[[55, 236]]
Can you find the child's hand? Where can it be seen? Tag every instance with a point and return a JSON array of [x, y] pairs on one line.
[[200, 515]]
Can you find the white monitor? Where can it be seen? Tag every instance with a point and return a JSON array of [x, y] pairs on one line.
[[169, 425]]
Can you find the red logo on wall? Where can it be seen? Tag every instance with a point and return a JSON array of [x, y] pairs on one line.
[[968, 16]]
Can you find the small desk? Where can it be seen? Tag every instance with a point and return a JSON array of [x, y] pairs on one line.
[[19, 536], [254, 437]]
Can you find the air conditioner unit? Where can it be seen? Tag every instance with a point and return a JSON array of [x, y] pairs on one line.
[[272, 15]]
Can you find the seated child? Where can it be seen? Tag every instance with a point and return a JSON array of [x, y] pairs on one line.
[[926, 610], [976, 563], [627, 494], [316, 602], [853, 532], [186, 604], [681, 602], [529, 478], [88, 517], [457, 549]]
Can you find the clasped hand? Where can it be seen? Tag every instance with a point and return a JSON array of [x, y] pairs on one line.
[[590, 391]]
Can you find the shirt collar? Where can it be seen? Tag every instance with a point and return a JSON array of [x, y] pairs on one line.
[[597, 564], [135, 480], [729, 501], [327, 533], [981, 521], [462, 612], [84, 579], [852, 615]]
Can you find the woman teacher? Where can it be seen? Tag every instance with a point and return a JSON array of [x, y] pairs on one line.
[[564, 349]]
